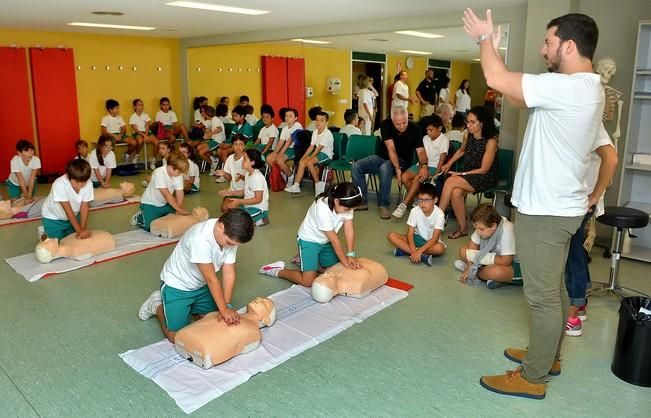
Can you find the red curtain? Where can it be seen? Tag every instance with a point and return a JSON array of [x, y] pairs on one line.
[[296, 86], [15, 104], [283, 84], [55, 101]]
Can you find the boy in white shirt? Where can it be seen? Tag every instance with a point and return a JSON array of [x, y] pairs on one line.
[[254, 198], [191, 180], [495, 264], [233, 170], [319, 152], [113, 125], [284, 149], [189, 281], [65, 210], [139, 122], [436, 146], [268, 135], [158, 200], [312, 115], [24, 169], [426, 222], [352, 123]]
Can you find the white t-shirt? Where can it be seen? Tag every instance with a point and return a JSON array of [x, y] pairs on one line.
[[226, 119], [113, 124], [595, 163], [366, 96], [139, 121], [400, 88], [251, 119], [160, 180], [109, 162], [193, 171], [444, 95], [320, 218], [253, 183], [268, 132], [506, 246], [350, 130], [561, 133], [197, 115], [326, 140], [286, 134], [214, 123], [434, 149], [197, 246], [18, 166], [167, 118], [463, 101], [62, 191], [455, 135], [425, 225], [234, 167]]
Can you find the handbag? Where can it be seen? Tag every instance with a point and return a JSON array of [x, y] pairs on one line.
[[276, 179]]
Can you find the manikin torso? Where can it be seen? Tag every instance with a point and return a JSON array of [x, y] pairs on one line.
[[208, 341], [112, 194], [20, 208], [172, 225], [339, 280], [72, 247]]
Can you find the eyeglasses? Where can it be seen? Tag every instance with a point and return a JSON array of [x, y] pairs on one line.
[[419, 201]]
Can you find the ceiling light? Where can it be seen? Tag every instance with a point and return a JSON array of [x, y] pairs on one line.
[[409, 51], [102, 25], [311, 41], [476, 59], [419, 34], [217, 8], [503, 48]]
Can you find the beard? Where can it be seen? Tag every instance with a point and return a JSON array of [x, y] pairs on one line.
[[554, 64]]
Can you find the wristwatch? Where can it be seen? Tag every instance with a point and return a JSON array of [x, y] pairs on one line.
[[350, 254], [483, 37], [423, 164]]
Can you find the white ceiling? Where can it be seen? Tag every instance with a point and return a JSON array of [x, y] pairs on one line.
[[174, 22]]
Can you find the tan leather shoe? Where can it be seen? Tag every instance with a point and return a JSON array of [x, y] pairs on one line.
[[513, 384], [385, 213], [517, 355]]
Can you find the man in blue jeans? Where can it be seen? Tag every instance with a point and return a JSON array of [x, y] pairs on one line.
[[400, 138]]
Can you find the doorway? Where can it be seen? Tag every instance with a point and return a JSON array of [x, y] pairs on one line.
[[374, 70]]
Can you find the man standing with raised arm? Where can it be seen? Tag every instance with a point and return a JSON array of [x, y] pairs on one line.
[[549, 191]]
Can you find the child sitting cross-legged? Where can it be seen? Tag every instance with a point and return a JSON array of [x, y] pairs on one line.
[[254, 197], [490, 254], [426, 222]]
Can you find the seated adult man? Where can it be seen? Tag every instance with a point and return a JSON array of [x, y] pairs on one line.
[[400, 138]]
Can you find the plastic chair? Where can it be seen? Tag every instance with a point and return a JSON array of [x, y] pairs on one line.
[[339, 162], [361, 146], [505, 175]]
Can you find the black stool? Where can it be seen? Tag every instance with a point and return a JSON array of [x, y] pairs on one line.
[[621, 218]]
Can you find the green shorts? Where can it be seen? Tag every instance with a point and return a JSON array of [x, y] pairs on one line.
[[212, 144], [178, 305], [15, 191], [322, 158], [314, 255], [169, 127], [123, 137], [150, 213], [290, 153], [193, 189], [256, 213], [56, 228], [517, 270], [414, 169], [420, 241]]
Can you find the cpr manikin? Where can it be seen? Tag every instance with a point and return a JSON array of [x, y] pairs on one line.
[[113, 195], [209, 341], [339, 280], [20, 208], [172, 225], [72, 247]]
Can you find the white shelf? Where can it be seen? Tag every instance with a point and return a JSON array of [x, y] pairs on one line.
[[643, 72], [643, 206], [638, 253], [639, 167], [642, 96]]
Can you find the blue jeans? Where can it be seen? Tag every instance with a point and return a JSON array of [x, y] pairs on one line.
[[374, 164], [577, 274]]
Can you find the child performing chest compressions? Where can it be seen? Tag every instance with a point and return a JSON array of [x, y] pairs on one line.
[[65, 210], [318, 243], [158, 200], [426, 222], [255, 193], [490, 254], [189, 282], [24, 168]]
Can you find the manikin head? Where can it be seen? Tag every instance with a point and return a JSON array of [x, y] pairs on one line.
[[606, 67], [264, 310], [127, 188], [46, 250], [5, 209], [325, 288]]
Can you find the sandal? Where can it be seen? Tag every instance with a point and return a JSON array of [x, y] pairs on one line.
[[457, 234]]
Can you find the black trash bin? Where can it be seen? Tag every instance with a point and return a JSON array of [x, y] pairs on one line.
[[632, 359]]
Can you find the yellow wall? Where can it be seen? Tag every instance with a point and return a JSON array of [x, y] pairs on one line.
[[416, 75], [459, 71], [320, 64], [94, 87]]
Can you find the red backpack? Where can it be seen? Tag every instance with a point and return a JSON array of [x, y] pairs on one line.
[[276, 179]]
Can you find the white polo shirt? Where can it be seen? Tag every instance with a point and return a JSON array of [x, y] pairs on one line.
[[167, 118], [594, 165], [214, 123], [434, 148], [197, 246], [160, 180], [109, 162], [400, 88], [425, 225], [234, 167], [286, 134], [140, 121], [18, 166], [254, 183], [268, 132], [324, 139], [506, 246], [560, 136], [320, 218], [193, 171], [62, 191], [113, 124]]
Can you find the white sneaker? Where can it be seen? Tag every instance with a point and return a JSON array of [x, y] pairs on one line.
[[272, 269], [149, 306], [214, 165], [136, 218], [319, 188], [262, 222], [460, 265], [294, 188], [126, 157], [400, 211], [220, 179], [40, 231], [290, 179], [135, 159], [152, 163]]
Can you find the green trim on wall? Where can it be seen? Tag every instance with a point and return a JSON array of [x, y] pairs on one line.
[[439, 63], [369, 56]]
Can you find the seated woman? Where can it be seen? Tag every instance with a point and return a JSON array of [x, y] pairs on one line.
[[478, 151]]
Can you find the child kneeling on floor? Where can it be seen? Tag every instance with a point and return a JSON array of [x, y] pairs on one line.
[[426, 222], [164, 193], [188, 282], [490, 254], [318, 243], [255, 195]]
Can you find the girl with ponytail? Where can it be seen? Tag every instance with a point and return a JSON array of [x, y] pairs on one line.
[[102, 162]]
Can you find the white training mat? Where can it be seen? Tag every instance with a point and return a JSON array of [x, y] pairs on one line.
[[125, 243], [301, 323]]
